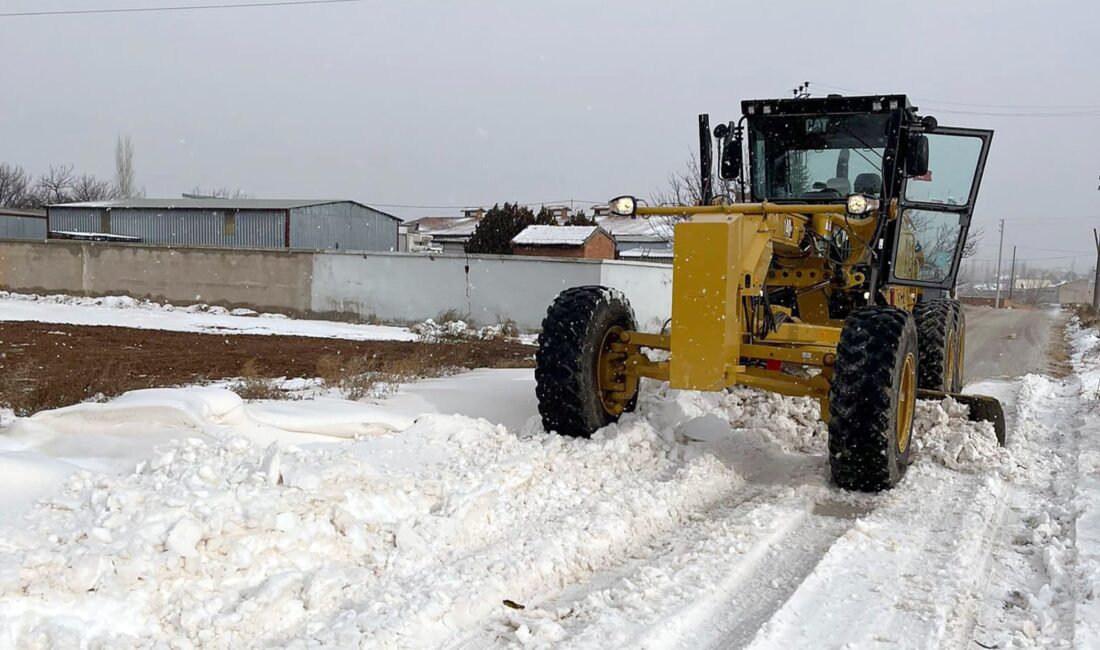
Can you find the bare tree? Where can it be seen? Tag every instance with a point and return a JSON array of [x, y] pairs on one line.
[[684, 187], [217, 193], [89, 188], [55, 186], [973, 238], [124, 167], [15, 187]]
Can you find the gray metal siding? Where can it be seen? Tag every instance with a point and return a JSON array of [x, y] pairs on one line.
[[184, 227], [342, 226], [14, 227]]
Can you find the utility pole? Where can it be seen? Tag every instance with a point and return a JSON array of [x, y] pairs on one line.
[[1000, 250], [1096, 278], [1012, 274]]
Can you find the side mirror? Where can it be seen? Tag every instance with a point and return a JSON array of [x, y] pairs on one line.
[[729, 165], [916, 160]]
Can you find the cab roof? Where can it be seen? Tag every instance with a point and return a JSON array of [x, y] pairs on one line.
[[826, 105]]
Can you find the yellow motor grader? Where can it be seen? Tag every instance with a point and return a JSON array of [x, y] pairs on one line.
[[832, 282]]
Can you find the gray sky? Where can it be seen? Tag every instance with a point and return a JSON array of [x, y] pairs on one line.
[[469, 102]]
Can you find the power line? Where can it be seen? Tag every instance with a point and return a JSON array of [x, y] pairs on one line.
[[134, 10]]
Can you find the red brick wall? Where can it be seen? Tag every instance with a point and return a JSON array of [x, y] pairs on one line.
[[548, 251], [599, 247]]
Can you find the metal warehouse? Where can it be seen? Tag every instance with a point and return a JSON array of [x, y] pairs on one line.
[[245, 223], [22, 224]]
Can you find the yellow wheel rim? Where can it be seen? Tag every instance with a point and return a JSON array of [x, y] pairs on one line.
[[907, 401], [952, 359], [960, 358], [611, 372]]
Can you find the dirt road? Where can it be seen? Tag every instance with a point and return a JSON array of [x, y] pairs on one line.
[[1002, 343]]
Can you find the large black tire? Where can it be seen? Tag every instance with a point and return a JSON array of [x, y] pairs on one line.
[[940, 343], [573, 334], [871, 412]]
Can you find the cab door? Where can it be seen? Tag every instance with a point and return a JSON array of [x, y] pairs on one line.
[[934, 210]]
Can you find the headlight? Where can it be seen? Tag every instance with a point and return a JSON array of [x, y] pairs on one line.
[[860, 204], [623, 206]]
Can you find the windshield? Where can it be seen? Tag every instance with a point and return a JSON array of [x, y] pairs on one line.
[[822, 157]]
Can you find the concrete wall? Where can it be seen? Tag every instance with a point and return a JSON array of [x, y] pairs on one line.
[[272, 280], [387, 286], [415, 287]]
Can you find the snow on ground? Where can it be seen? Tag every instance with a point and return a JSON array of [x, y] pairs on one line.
[[122, 311], [445, 516]]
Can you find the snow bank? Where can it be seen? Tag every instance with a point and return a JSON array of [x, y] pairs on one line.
[[943, 433], [432, 331], [399, 540], [123, 311], [1085, 357]]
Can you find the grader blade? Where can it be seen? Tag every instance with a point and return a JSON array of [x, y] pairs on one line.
[[982, 408]]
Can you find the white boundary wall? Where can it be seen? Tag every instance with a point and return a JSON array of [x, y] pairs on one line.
[[388, 286], [486, 288]]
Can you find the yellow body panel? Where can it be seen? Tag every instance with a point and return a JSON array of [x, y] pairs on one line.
[[725, 254]]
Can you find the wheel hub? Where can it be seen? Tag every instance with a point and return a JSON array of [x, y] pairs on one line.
[[611, 371]]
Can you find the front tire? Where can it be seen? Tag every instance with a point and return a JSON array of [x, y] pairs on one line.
[[872, 399], [577, 328]]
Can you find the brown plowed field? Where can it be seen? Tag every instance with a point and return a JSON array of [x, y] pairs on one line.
[[44, 365]]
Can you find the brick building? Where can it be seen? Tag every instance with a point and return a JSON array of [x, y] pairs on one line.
[[587, 242]]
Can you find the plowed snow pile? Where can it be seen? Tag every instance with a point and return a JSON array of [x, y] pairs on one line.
[[227, 536]]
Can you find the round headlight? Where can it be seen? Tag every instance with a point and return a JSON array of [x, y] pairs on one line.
[[623, 206], [857, 204]]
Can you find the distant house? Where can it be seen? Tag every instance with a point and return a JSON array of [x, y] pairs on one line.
[[237, 223], [656, 255], [1075, 291], [448, 234], [651, 237], [22, 224], [586, 242]]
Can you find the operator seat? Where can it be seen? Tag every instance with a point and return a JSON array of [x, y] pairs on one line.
[[839, 185], [869, 183]]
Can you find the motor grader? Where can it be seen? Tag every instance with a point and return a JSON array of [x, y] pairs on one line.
[[824, 271]]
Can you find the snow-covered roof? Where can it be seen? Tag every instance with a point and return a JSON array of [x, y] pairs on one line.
[[637, 229], [443, 227], [554, 235]]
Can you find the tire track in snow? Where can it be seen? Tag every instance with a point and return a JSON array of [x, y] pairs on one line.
[[711, 583]]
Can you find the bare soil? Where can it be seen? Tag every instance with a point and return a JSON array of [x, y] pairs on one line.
[[45, 365]]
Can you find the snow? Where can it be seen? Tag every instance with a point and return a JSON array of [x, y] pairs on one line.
[[446, 516], [554, 235], [123, 311], [431, 331]]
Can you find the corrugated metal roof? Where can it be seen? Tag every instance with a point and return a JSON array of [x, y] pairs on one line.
[[554, 235], [212, 204], [16, 212]]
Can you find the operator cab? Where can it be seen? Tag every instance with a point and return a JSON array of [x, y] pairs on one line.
[[876, 155]]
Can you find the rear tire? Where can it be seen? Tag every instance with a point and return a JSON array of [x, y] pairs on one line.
[[872, 399], [566, 364], [939, 332]]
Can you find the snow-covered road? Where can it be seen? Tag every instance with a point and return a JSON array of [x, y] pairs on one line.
[[702, 520]]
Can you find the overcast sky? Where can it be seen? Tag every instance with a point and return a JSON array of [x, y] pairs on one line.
[[470, 102]]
